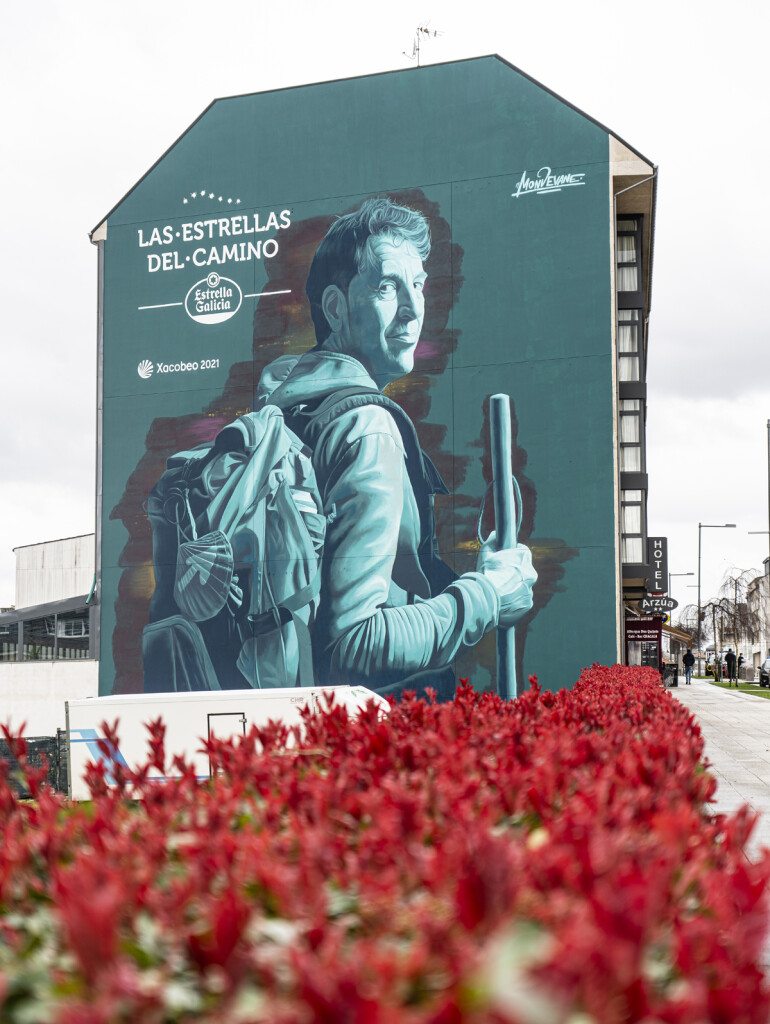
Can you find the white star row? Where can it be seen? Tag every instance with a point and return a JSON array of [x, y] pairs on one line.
[[204, 194]]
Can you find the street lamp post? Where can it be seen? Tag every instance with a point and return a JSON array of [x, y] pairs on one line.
[[669, 594], [706, 526], [672, 574], [766, 574]]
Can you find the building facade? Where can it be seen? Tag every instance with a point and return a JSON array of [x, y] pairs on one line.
[[536, 285], [758, 600], [47, 650]]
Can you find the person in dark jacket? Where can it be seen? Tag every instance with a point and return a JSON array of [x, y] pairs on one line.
[[730, 659], [688, 660]]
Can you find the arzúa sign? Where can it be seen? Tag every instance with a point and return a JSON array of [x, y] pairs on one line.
[[657, 605]]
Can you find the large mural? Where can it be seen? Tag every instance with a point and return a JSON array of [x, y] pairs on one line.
[[304, 502]]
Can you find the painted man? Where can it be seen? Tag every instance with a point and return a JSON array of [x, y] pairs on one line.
[[391, 614]]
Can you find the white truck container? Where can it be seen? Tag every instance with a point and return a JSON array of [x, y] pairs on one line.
[[189, 718]]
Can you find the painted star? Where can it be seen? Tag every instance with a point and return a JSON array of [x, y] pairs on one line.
[[229, 200], [211, 195], [184, 200], [193, 194], [237, 201]]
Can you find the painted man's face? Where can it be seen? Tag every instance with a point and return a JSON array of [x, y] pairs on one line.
[[386, 309]]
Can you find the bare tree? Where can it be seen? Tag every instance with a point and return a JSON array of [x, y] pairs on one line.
[[744, 621], [715, 614], [687, 622]]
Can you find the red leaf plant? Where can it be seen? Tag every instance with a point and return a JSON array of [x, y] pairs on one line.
[[549, 859]]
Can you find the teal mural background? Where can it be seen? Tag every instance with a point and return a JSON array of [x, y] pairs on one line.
[[527, 294]]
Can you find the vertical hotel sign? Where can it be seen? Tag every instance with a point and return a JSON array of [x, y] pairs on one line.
[[657, 559]]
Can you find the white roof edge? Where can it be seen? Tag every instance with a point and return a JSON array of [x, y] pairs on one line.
[[99, 234], [56, 540], [624, 161]]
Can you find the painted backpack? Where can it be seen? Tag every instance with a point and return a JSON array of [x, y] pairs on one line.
[[238, 534]]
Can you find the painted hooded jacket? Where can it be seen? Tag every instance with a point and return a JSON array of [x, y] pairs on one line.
[[385, 616]]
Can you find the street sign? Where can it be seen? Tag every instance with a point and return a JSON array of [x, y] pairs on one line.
[[657, 605]]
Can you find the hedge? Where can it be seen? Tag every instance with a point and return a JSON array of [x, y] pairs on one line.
[[551, 859]]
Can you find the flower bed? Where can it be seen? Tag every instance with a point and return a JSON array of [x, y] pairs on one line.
[[545, 860]]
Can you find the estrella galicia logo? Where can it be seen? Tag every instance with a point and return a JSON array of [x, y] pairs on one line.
[[213, 300], [545, 182], [144, 369]]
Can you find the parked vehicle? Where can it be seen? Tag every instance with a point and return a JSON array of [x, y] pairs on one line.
[[764, 672], [189, 717]]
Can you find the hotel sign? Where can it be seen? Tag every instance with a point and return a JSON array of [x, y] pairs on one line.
[[657, 559]]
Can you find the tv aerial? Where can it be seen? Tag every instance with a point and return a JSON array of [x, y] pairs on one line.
[[423, 30]]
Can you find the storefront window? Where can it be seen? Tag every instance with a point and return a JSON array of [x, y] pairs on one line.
[[72, 635], [40, 639], [9, 641], [56, 637]]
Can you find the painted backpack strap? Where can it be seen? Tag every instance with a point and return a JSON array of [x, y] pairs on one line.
[[313, 424], [423, 475]]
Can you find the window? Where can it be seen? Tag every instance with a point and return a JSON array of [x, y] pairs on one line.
[[627, 252], [631, 459], [629, 363], [9, 639], [72, 625], [39, 639], [631, 371], [632, 527], [61, 635], [72, 635]]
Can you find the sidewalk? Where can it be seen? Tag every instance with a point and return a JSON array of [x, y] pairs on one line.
[[736, 730]]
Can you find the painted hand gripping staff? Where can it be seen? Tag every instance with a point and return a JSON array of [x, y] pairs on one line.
[[301, 546]]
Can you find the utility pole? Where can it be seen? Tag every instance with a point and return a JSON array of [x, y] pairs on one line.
[[701, 527]]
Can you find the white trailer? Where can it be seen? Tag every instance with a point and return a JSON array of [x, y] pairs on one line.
[[189, 718]]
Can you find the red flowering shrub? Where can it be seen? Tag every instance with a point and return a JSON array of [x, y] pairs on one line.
[[549, 859]]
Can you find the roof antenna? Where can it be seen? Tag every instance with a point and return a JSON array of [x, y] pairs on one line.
[[422, 30]]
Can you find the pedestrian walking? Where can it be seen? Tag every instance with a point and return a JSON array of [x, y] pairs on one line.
[[730, 659], [688, 660]]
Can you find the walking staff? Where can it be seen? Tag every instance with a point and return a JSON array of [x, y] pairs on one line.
[[507, 522]]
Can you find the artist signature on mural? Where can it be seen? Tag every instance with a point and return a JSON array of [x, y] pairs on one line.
[[546, 181]]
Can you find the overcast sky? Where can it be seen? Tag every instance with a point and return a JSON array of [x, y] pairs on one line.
[[94, 92]]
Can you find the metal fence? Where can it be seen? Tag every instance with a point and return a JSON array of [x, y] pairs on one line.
[[48, 750]]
